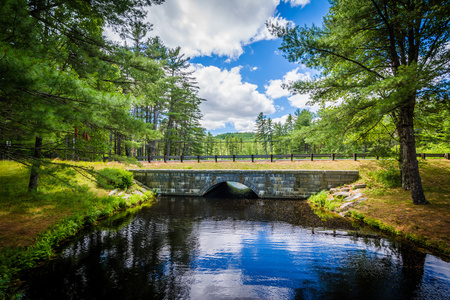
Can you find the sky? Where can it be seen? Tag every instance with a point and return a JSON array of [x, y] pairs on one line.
[[238, 66]]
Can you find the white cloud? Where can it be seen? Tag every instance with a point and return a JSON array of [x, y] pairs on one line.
[[294, 3], [206, 27], [281, 119], [264, 33], [274, 89], [229, 100], [301, 100]]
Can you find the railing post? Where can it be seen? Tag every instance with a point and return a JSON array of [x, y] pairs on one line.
[[198, 158], [253, 158], [181, 158], [234, 158], [377, 157], [312, 156], [149, 158], [447, 156], [354, 156], [292, 156], [215, 158], [165, 158], [422, 155], [271, 157], [332, 156]]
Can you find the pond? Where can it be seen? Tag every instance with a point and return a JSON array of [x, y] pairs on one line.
[[209, 248]]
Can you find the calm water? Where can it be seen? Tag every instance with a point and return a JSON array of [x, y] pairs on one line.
[[197, 248]]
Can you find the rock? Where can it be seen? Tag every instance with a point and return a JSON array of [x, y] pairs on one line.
[[333, 190], [359, 186], [342, 194], [345, 190], [353, 197], [120, 194], [138, 193], [113, 192], [347, 205]]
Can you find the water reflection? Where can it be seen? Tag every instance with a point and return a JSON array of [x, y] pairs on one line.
[[196, 248]]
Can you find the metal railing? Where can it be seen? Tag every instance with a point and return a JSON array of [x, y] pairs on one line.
[[275, 157]]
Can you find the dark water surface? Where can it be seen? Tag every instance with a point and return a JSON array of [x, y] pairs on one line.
[[198, 248]]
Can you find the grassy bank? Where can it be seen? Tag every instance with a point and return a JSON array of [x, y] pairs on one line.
[[32, 225], [390, 207]]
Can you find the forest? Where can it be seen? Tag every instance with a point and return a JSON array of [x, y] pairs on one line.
[[69, 92]]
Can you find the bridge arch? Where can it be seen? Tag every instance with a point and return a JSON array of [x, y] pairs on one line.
[[216, 182]]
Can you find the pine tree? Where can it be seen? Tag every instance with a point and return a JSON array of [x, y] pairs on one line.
[[262, 130], [61, 74], [377, 58]]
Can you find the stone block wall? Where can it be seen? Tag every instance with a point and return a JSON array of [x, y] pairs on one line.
[[288, 184]]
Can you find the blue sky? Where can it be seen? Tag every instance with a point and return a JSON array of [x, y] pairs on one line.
[[238, 66]]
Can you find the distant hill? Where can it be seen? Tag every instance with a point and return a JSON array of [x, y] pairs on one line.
[[246, 136]]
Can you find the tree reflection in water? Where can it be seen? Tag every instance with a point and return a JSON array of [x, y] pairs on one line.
[[182, 248]]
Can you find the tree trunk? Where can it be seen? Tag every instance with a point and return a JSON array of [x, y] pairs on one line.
[[127, 149], [410, 165], [34, 174], [403, 163], [402, 157], [119, 144], [168, 148]]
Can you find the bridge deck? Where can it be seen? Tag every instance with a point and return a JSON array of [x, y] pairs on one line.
[[289, 184]]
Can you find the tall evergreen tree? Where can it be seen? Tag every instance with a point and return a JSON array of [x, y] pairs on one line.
[[377, 57], [59, 74], [182, 105], [262, 130]]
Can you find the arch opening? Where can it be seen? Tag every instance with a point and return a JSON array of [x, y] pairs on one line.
[[230, 189]]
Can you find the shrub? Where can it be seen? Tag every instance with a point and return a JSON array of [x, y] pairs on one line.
[[115, 178], [387, 174], [389, 177], [319, 199]]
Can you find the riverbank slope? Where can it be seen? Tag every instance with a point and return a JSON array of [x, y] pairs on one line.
[[32, 225]]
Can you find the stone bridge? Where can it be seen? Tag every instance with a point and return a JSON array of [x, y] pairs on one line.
[[288, 184]]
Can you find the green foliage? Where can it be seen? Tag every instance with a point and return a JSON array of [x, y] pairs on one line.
[[320, 200], [439, 148], [83, 96], [245, 136], [127, 160], [115, 178], [389, 175], [371, 73]]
